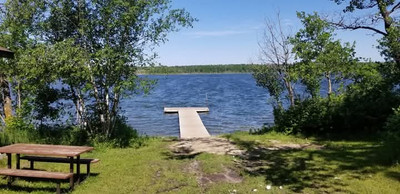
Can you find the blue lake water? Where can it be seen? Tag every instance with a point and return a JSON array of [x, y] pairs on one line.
[[234, 100]]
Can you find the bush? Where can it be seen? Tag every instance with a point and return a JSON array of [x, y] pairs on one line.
[[367, 109], [392, 137], [309, 117], [77, 136], [123, 135], [17, 130]]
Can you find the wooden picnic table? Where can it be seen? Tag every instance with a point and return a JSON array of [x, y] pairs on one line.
[[46, 150]]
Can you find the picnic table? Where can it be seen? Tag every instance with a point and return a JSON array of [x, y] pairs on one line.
[[72, 154]]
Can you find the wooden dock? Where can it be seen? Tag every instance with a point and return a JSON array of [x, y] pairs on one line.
[[190, 124]]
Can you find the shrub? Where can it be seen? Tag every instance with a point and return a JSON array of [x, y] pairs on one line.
[[392, 137], [17, 130], [77, 136], [123, 135], [306, 117]]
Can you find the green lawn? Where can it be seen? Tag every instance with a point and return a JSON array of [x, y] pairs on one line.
[[340, 166]]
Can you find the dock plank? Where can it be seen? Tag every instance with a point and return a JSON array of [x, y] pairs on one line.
[[190, 123]]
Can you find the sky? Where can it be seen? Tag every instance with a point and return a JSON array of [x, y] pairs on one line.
[[228, 31]]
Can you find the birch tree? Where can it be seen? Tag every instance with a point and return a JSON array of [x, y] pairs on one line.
[[106, 40], [320, 55]]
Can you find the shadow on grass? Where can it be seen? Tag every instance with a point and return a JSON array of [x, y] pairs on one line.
[[173, 156], [30, 189], [319, 169], [393, 175], [48, 187]]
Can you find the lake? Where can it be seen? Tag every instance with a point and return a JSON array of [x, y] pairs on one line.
[[234, 100]]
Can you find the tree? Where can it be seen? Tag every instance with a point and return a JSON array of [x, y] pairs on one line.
[[4, 87], [275, 53], [17, 30], [384, 22], [92, 48], [101, 43], [320, 55]]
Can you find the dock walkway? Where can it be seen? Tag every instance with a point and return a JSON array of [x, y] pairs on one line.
[[190, 124]]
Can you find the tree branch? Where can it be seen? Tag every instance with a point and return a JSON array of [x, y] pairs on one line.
[[397, 6], [356, 27]]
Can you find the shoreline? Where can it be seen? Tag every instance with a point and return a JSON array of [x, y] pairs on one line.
[[194, 73]]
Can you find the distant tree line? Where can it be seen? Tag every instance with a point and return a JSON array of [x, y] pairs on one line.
[[233, 68]]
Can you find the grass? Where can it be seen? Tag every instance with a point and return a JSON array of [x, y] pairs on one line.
[[340, 167]]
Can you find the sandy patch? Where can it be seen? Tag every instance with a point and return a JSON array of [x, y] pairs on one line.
[[211, 145]]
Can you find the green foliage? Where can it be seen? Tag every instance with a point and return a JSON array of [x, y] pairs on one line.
[[386, 11], [363, 4], [76, 136], [362, 108], [17, 131], [321, 57], [309, 117], [106, 42], [390, 44], [366, 109], [93, 48], [123, 135], [268, 78], [392, 137]]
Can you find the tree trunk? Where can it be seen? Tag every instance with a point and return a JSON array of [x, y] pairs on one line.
[[113, 112], [19, 95], [388, 22], [328, 78], [290, 91], [6, 94]]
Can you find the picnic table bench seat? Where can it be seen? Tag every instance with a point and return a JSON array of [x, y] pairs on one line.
[[39, 174], [33, 159]]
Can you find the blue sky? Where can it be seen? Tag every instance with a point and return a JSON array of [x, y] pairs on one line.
[[228, 30]]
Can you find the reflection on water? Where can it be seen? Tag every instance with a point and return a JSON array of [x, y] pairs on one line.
[[235, 103]]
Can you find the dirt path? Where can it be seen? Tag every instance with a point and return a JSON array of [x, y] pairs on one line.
[[211, 145], [221, 146]]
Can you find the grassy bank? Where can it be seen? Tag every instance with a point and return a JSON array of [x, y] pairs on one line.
[[318, 167]]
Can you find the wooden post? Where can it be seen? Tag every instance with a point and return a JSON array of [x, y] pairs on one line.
[[88, 169], [71, 170], [18, 161], [58, 188], [78, 168], [8, 160], [9, 178]]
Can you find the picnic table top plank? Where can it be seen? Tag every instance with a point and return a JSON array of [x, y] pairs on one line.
[[44, 149]]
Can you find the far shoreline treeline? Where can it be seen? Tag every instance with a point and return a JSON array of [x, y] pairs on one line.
[[198, 69]]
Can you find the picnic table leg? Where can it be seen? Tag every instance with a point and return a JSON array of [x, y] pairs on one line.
[[9, 178], [18, 161], [58, 191], [8, 160], [78, 168], [71, 170], [88, 169]]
